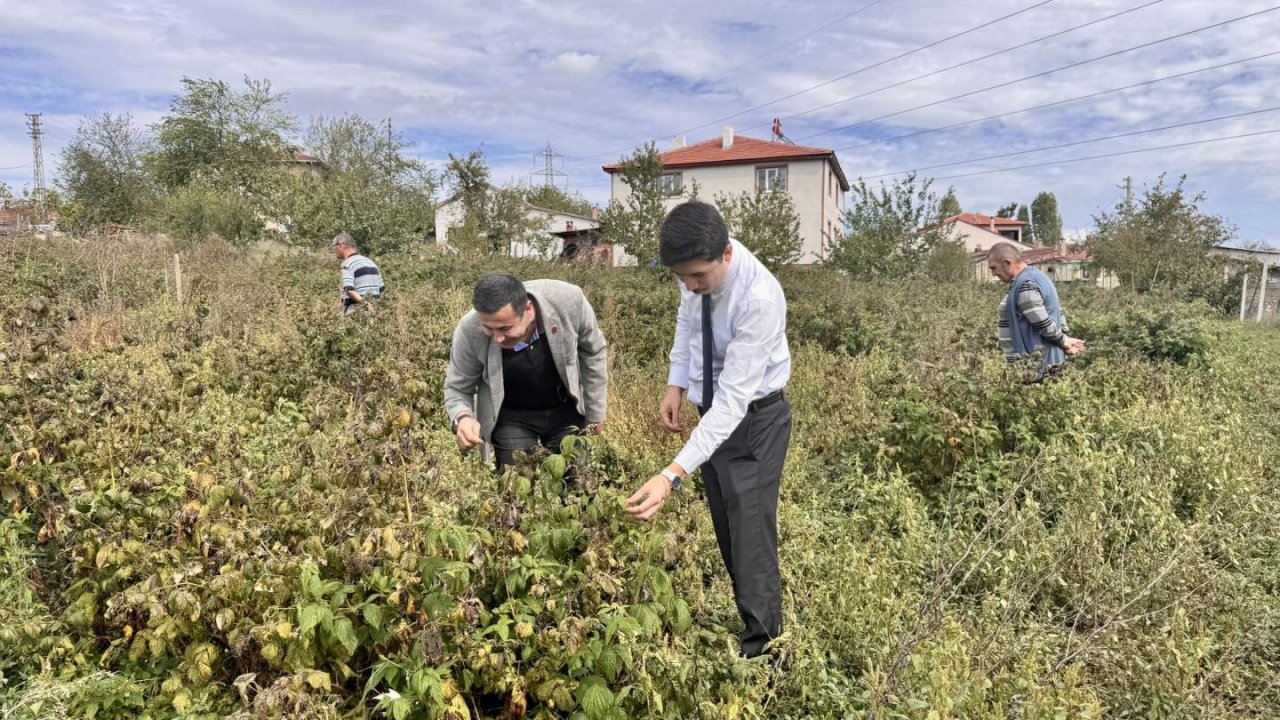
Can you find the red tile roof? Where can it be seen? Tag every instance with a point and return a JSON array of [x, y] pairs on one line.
[[984, 220], [301, 157], [1038, 255], [745, 150]]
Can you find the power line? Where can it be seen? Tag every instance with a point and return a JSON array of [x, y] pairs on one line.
[[16, 167], [793, 41], [988, 56], [1059, 146], [860, 70], [1111, 155], [1055, 103], [1044, 73]]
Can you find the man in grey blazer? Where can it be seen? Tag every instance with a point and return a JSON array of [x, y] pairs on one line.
[[528, 367]]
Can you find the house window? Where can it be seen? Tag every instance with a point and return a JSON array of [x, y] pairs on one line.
[[771, 178], [671, 183]]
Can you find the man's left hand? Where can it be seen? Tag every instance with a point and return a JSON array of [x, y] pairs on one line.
[[649, 499], [596, 428], [1073, 346]]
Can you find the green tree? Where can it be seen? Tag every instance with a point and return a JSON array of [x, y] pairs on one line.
[[469, 178], [102, 176], [1008, 211], [949, 262], [891, 230], [223, 138], [369, 187], [765, 222], [553, 198], [949, 205], [7, 200], [493, 217], [1046, 221], [1162, 240], [633, 223]]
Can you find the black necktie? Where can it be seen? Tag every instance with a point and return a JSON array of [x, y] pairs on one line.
[[708, 340]]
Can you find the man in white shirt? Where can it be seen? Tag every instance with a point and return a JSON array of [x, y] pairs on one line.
[[736, 380]]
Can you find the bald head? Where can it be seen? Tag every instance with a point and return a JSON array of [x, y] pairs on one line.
[[1005, 261]]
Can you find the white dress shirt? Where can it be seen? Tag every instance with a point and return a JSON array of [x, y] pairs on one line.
[[750, 357]]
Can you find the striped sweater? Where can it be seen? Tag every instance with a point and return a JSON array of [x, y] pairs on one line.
[[361, 274], [1031, 306]]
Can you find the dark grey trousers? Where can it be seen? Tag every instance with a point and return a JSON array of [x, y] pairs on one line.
[[525, 430], [742, 480]]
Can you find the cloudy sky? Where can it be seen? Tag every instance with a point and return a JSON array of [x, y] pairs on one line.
[[892, 85]]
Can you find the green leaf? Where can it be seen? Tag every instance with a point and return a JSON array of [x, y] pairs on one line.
[[373, 616], [343, 631], [311, 616], [594, 697]]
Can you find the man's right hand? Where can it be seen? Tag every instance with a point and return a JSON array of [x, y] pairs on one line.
[[669, 413], [1073, 346], [468, 434]]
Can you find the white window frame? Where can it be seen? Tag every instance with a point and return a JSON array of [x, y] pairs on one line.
[[665, 183], [768, 181]]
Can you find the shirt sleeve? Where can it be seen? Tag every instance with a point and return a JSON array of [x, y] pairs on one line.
[[756, 326], [1031, 305], [348, 278], [679, 373]]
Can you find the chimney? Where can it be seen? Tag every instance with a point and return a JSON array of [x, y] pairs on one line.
[[677, 142], [726, 137]]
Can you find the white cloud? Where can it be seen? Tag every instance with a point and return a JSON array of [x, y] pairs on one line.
[[597, 79], [573, 62]]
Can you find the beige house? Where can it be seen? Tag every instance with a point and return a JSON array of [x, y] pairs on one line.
[[737, 164], [979, 232]]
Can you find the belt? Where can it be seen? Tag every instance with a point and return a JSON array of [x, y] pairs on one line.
[[755, 405]]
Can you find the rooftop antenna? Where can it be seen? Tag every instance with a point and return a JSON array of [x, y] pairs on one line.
[[778, 137]]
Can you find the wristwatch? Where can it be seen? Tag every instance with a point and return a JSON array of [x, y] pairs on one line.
[[672, 477]]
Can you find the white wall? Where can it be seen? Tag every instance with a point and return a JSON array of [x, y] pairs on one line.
[[977, 239], [448, 215], [808, 182], [451, 214]]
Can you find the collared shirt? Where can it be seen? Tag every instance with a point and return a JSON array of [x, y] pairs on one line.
[[750, 356], [521, 345]]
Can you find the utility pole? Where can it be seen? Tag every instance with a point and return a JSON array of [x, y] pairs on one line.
[[551, 162], [36, 131], [1128, 195]]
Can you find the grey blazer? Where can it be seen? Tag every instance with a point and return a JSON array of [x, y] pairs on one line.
[[473, 384]]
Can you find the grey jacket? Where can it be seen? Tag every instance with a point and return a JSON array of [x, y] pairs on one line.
[[473, 384]]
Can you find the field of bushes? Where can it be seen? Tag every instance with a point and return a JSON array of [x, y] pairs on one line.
[[249, 506]]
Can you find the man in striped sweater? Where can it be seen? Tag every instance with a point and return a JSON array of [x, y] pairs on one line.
[[1031, 318], [361, 279]]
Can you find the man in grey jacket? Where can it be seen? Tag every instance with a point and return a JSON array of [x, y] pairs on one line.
[[528, 367]]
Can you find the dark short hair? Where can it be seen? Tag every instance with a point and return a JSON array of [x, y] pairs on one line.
[[692, 231], [496, 291]]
